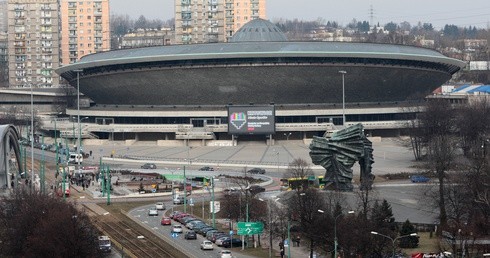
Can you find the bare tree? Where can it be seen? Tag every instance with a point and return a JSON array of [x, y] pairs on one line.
[[37, 225]]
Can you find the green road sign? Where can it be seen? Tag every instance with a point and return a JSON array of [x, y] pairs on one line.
[[250, 228]]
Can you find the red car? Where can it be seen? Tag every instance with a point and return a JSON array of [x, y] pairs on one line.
[[166, 221]]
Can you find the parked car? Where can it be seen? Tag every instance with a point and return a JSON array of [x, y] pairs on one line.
[[195, 224], [218, 236], [187, 219], [225, 254], [219, 241], [203, 230], [232, 242], [206, 169], [177, 229], [419, 179], [256, 171], [190, 235], [160, 206], [153, 211], [207, 245], [210, 235], [149, 166], [174, 213], [255, 189], [166, 221]]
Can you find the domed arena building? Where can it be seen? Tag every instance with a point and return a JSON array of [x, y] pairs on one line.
[[191, 94]]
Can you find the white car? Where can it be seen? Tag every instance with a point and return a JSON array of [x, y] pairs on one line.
[[225, 254], [160, 206], [153, 211], [219, 241], [177, 229], [207, 245]]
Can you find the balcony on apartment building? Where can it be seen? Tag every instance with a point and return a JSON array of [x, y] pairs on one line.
[[46, 15], [98, 12], [46, 8]]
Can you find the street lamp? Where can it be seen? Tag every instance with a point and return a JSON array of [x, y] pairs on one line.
[[393, 240], [343, 97], [78, 71], [270, 221], [287, 136], [335, 230], [32, 138]]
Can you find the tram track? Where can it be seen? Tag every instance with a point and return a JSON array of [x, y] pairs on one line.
[[131, 238]]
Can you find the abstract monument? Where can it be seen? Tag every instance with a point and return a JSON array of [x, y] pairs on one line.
[[338, 154]]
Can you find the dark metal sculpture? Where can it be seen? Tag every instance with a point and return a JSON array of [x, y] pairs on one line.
[[10, 166], [338, 154]]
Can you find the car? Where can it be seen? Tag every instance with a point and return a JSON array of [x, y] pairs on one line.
[[256, 171], [166, 221], [160, 206], [149, 166], [191, 234], [219, 241], [210, 232], [225, 254], [419, 179], [207, 245], [177, 229], [218, 236], [153, 211], [203, 230], [210, 235], [231, 191], [187, 219], [206, 169], [232, 242], [255, 189], [195, 224], [178, 200], [174, 213]]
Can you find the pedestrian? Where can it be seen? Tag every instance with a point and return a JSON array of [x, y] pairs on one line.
[[281, 244], [298, 239], [282, 252]]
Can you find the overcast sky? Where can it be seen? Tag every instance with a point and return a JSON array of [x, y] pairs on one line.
[[438, 12]]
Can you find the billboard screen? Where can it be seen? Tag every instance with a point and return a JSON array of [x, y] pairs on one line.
[[251, 120]]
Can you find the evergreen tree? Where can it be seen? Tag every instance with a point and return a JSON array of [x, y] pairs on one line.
[[411, 241]]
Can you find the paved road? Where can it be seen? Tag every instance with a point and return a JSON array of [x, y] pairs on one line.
[[192, 247]]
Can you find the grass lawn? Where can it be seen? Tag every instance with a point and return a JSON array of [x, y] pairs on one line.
[[426, 244]]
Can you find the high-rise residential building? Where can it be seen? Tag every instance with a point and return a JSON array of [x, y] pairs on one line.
[[208, 21], [84, 28], [239, 12], [3, 45], [3, 17], [33, 43]]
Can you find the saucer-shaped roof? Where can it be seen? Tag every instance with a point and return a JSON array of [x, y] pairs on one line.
[[259, 30]]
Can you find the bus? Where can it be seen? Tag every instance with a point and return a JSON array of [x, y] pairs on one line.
[[293, 183]]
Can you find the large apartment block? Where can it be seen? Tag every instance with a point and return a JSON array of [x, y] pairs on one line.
[[33, 43], [208, 21], [85, 28]]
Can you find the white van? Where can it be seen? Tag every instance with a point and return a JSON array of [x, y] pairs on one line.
[[75, 158]]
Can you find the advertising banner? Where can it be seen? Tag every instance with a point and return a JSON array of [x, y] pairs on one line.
[[251, 120]]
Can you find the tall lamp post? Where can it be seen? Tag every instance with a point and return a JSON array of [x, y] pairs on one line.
[[393, 240], [78, 71], [335, 230], [32, 138], [343, 96]]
